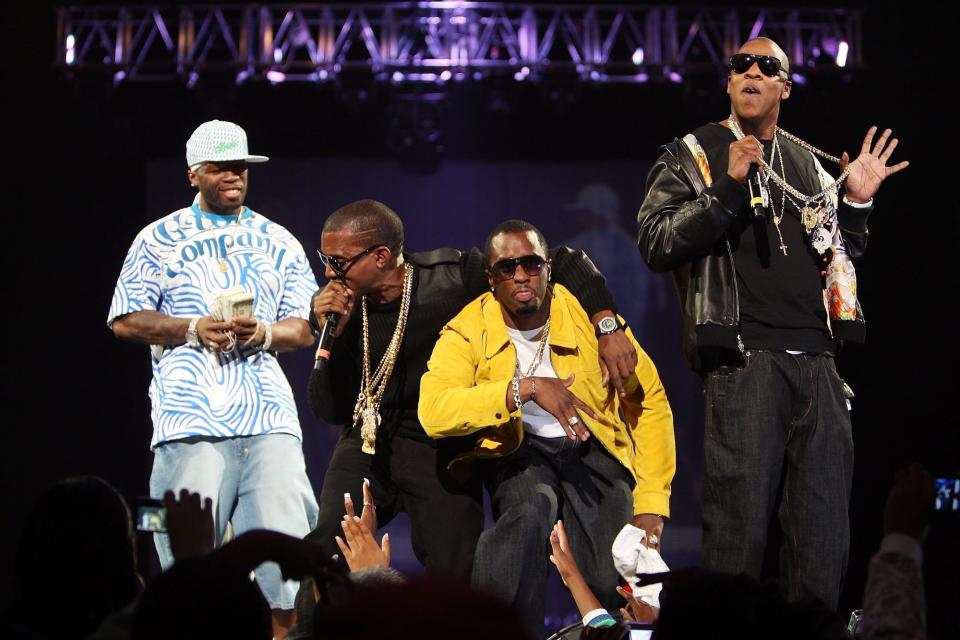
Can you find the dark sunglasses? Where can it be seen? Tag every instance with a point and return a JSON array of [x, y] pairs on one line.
[[340, 267], [505, 269], [769, 65]]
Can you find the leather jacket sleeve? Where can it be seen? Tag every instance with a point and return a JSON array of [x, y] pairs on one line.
[[853, 227], [680, 220]]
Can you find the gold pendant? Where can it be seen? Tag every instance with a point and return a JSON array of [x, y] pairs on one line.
[[808, 217], [370, 420], [223, 266]]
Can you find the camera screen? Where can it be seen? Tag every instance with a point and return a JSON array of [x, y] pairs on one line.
[[641, 631], [948, 494], [152, 518]]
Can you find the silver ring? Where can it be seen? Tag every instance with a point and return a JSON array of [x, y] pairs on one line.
[[572, 420], [653, 539]]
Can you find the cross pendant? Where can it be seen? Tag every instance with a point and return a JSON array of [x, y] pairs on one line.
[[783, 248]]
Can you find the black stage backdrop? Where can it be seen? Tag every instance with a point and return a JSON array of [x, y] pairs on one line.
[[89, 165]]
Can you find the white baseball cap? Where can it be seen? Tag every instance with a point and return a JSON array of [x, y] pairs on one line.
[[219, 141]]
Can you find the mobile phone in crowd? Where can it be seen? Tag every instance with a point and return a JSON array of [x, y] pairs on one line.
[[151, 515], [641, 630], [948, 495]]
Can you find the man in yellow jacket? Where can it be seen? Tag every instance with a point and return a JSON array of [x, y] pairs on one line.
[[518, 368]]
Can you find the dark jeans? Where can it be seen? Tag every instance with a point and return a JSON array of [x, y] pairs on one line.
[[446, 517], [778, 428], [548, 479]]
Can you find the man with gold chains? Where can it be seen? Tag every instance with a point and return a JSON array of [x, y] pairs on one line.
[[392, 306], [767, 297]]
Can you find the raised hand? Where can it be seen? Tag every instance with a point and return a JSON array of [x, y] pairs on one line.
[[368, 515], [637, 610], [870, 168], [359, 548], [189, 524]]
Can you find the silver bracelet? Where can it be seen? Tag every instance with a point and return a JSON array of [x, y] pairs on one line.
[[516, 392]]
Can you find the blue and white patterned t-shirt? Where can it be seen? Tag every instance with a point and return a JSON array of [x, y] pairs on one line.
[[173, 267]]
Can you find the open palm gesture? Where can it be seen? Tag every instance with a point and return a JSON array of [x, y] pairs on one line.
[[870, 168]]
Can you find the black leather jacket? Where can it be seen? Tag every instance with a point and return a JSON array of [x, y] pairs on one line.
[[682, 228]]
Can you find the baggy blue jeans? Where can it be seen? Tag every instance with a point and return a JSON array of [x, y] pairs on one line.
[[256, 482]]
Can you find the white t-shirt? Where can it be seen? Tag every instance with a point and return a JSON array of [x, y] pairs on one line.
[[535, 419], [173, 266]]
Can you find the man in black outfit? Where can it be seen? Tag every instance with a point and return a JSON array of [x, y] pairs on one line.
[[767, 295], [362, 250]]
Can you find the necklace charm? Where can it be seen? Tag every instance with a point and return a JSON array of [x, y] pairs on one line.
[[821, 240], [374, 383], [370, 420], [809, 217]]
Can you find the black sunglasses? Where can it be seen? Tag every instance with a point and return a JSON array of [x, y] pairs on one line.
[[769, 65], [339, 266], [505, 269]]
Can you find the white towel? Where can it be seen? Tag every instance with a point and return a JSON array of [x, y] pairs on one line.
[[631, 557]]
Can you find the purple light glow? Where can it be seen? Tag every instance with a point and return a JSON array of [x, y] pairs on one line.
[[276, 77]]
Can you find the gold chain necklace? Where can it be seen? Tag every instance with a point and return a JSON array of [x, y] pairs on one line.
[[367, 409], [538, 356]]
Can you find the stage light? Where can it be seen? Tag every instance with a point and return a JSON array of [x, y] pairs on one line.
[[276, 77], [71, 53], [638, 56], [842, 49]]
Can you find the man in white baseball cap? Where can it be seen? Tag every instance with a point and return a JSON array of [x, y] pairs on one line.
[[225, 423]]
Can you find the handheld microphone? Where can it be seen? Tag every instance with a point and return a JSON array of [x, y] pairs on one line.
[[326, 339], [757, 193]]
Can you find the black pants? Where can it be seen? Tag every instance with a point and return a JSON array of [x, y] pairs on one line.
[[548, 479], [778, 430], [446, 517]]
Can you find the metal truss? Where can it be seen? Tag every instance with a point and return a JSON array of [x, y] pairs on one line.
[[439, 41]]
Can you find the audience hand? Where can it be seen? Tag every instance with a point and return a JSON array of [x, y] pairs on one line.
[[910, 502], [563, 560], [189, 525], [368, 516], [561, 557], [637, 610], [360, 549]]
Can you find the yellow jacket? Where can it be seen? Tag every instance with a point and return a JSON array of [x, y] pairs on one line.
[[465, 391]]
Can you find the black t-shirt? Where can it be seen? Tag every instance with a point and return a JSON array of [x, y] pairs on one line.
[[781, 303]]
